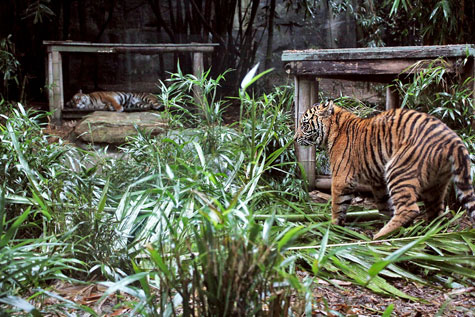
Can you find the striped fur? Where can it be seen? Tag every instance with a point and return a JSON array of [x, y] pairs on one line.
[[404, 155], [112, 100]]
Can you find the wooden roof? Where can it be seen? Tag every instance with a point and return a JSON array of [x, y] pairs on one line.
[[374, 53]]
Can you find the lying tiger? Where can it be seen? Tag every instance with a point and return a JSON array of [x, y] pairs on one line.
[[112, 100], [404, 155]]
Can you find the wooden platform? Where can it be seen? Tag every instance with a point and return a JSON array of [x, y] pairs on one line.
[[54, 76], [378, 64]]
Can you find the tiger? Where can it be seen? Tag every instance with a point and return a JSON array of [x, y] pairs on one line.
[[112, 100], [403, 155]]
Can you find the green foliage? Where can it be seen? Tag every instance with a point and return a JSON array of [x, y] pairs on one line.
[[202, 220], [431, 91], [402, 22], [38, 10], [9, 65]]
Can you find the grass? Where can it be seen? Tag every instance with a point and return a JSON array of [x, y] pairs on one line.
[[207, 219]]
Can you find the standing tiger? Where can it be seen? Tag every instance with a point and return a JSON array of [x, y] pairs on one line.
[[404, 155], [112, 100]]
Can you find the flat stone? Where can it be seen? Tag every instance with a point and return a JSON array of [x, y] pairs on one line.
[[115, 127]]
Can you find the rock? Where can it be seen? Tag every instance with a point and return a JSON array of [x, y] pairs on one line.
[[115, 127]]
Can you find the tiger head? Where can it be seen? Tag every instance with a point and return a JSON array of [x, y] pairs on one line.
[[314, 125], [80, 101]]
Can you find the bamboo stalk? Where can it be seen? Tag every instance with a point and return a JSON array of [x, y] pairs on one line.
[[354, 215], [369, 242]]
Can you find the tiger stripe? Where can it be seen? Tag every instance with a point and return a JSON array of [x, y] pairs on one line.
[[114, 100]]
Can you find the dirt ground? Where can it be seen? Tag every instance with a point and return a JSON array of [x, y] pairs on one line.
[[340, 299]]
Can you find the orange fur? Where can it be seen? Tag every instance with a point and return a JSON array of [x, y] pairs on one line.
[[111, 100], [404, 155]]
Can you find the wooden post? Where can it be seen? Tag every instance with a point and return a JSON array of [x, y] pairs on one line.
[[471, 73], [392, 98], [55, 86], [198, 68], [306, 92]]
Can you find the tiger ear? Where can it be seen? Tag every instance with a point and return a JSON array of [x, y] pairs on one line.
[[325, 109], [330, 107]]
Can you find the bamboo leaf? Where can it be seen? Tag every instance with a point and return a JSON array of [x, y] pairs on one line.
[[288, 238], [122, 284], [103, 199], [5, 239], [21, 304]]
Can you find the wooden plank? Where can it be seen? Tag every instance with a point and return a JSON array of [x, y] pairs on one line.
[[377, 53], [391, 67], [111, 48], [78, 43], [306, 92]]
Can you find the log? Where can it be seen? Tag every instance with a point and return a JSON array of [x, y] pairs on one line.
[[324, 182]]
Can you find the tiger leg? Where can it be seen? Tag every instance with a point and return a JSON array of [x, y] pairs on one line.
[[111, 101], [433, 199], [341, 199], [403, 188], [382, 199]]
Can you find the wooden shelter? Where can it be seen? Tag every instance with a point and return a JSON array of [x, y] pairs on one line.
[[54, 73], [378, 64]]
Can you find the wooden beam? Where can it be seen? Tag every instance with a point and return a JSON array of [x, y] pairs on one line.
[[111, 48], [381, 53], [55, 86], [198, 68], [306, 92], [392, 67]]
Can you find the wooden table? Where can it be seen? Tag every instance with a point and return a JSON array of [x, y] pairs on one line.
[[381, 64], [54, 76]]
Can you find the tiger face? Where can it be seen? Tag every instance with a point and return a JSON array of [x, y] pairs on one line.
[[314, 125], [80, 101]]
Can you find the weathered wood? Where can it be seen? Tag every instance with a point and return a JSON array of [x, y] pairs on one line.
[[469, 72], [392, 67], [55, 84], [198, 68], [86, 47], [392, 98], [306, 92], [471, 68], [376, 53]]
